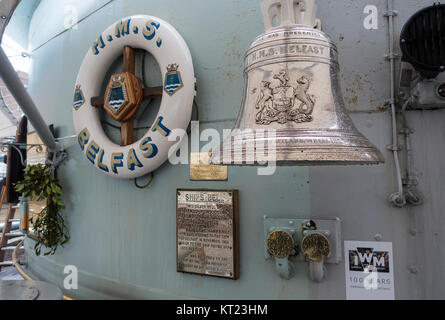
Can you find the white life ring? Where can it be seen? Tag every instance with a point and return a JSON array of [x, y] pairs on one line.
[[173, 56]]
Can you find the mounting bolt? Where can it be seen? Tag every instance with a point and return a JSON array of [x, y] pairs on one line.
[[441, 90], [393, 148], [3, 17], [413, 269], [397, 199], [390, 13], [378, 237]]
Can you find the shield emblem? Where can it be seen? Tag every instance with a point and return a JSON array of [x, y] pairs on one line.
[[173, 80], [283, 97], [117, 97], [79, 99]]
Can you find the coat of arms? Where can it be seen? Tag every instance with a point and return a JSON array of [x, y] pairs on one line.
[[116, 96], [173, 80], [285, 102], [79, 99]]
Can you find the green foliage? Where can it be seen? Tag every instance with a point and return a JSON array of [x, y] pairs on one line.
[[49, 225]]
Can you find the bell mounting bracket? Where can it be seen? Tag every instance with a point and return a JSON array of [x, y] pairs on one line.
[[288, 12]]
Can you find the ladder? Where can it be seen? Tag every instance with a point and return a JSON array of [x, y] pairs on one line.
[[6, 232]]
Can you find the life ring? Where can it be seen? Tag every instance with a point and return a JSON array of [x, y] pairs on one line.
[[173, 56]]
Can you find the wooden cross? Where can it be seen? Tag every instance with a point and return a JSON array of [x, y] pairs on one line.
[[124, 96]]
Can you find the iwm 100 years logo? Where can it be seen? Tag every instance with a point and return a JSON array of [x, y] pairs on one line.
[[363, 258], [369, 271]]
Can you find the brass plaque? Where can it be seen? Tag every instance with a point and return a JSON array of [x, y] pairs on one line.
[[207, 232], [201, 170]]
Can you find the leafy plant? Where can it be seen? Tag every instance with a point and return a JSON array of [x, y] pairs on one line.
[[49, 226]]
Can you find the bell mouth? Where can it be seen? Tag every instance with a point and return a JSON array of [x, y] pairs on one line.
[[291, 148]]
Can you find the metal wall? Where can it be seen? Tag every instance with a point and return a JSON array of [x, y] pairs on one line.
[[18, 26], [123, 238], [359, 196]]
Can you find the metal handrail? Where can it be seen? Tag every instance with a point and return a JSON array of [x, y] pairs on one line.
[[22, 272]]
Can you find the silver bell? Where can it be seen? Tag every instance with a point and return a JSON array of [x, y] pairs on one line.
[[292, 102]]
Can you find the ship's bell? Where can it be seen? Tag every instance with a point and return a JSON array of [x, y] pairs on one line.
[[292, 101]]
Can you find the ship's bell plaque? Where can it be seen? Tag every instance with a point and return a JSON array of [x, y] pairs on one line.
[[292, 101], [207, 232]]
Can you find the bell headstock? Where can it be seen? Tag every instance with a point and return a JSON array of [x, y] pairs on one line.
[[289, 12]]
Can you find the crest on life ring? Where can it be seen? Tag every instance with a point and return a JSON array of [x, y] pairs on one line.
[[79, 99], [173, 80], [117, 95]]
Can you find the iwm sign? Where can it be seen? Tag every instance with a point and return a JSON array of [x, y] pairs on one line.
[[369, 270], [367, 258]]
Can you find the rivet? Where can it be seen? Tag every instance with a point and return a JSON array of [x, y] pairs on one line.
[[378, 237], [413, 269], [4, 17]]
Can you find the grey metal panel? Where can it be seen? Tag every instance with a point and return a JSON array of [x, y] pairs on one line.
[[364, 72], [359, 197], [429, 219], [19, 25]]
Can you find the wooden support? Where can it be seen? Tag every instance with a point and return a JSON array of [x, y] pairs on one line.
[[6, 229], [128, 64], [3, 195], [127, 133], [125, 117]]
